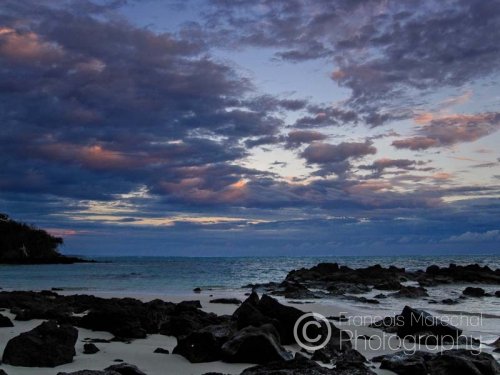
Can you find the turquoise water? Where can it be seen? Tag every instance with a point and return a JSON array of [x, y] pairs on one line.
[[178, 275]]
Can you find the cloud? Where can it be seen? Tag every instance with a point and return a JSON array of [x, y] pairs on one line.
[[389, 54], [93, 106], [322, 153], [491, 235], [450, 130], [380, 165], [298, 137]]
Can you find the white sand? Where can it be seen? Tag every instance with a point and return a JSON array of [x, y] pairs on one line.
[[140, 352]]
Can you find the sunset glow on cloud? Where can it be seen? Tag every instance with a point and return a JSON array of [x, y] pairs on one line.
[[183, 123]]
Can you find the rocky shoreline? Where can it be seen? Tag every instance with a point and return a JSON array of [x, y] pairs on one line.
[[333, 280], [261, 330]]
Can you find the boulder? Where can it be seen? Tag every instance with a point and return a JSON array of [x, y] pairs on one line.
[[248, 314], [474, 292], [406, 363], [299, 365], [255, 345], [284, 317], [388, 285], [450, 362], [227, 301], [463, 362], [119, 320], [161, 351], [185, 320], [412, 321], [125, 369], [90, 348], [5, 322], [388, 324], [205, 344], [410, 292], [47, 345]]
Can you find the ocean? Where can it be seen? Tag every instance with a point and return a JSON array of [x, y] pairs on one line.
[[179, 275], [169, 276]]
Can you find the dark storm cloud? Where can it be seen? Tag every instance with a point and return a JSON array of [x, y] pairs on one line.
[[93, 106], [385, 52]]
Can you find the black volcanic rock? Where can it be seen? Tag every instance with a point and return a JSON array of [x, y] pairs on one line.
[[388, 324], [388, 285], [227, 301], [474, 292], [90, 348], [450, 362], [5, 322], [412, 321], [47, 345], [248, 314], [161, 351], [205, 344], [300, 365], [410, 292], [255, 345], [125, 369], [284, 317]]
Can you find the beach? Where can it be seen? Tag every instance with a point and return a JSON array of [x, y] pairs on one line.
[[478, 318]]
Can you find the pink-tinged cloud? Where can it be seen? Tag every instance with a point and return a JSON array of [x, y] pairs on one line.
[[442, 176], [298, 137], [26, 46], [322, 153], [451, 130], [94, 157]]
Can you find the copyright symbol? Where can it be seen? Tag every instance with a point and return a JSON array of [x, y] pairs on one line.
[[320, 340]]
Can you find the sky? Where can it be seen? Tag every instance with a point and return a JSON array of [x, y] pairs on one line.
[[253, 127]]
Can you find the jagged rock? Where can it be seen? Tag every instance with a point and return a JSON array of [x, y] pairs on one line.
[[228, 301], [388, 324], [248, 314], [90, 348], [186, 319], [412, 321], [190, 304], [300, 365], [474, 292], [450, 362], [5, 322], [255, 345], [388, 285], [125, 369], [340, 318], [205, 344], [363, 300], [47, 345], [406, 364], [410, 292], [284, 317]]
